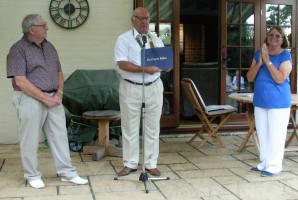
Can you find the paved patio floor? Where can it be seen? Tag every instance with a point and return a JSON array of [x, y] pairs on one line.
[[212, 173]]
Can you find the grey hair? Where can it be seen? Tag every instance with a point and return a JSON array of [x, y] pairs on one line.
[[133, 15], [29, 21]]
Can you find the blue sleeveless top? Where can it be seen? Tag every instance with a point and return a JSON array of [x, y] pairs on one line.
[[267, 93]]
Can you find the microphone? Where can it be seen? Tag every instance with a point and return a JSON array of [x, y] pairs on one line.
[[144, 40]]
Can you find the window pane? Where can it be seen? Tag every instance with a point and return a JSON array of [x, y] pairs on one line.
[[233, 14], [246, 55], [247, 35], [233, 60], [246, 86], [247, 15], [181, 38], [151, 6], [233, 35], [167, 79], [165, 33], [152, 27], [288, 34], [166, 10], [168, 105], [271, 14], [238, 80], [285, 14], [229, 81]]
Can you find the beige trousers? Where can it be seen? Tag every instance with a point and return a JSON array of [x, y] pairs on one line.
[[130, 97], [33, 117]]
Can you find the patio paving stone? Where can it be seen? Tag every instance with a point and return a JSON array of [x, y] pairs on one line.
[[209, 173]]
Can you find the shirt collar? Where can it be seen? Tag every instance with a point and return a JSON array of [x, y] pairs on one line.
[[135, 33], [33, 43]]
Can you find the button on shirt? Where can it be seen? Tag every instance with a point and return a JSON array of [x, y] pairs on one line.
[[40, 65], [128, 49]]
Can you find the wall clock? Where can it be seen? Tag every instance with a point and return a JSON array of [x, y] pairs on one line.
[[69, 14]]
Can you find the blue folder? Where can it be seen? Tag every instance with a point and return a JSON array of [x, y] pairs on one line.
[[161, 57]]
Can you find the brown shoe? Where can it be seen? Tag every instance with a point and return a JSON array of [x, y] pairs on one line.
[[125, 171], [153, 172]]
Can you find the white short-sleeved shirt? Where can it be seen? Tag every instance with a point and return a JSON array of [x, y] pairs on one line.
[[128, 49]]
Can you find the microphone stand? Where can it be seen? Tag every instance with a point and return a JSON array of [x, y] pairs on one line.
[[144, 175]]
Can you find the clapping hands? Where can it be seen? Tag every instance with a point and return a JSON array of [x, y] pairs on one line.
[[265, 53]]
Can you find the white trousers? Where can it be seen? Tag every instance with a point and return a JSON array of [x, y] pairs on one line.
[[271, 125], [130, 97], [34, 116]]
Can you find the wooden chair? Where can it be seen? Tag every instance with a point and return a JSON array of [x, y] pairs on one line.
[[206, 114]]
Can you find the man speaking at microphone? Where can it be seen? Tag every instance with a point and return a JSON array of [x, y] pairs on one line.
[[128, 58]]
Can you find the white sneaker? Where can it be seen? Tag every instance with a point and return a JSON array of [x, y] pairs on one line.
[[36, 183], [76, 180]]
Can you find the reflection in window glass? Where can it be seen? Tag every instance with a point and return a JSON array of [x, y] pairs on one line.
[[247, 35], [165, 33], [233, 35], [166, 10], [181, 37], [268, 29], [151, 7], [285, 13], [247, 14], [247, 85], [233, 15], [233, 60], [288, 34], [167, 79], [238, 81], [229, 81], [168, 105], [152, 27], [271, 14]]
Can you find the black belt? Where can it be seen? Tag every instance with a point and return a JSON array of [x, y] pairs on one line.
[[49, 91], [136, 83]]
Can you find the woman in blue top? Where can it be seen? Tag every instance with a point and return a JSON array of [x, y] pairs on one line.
[[270, 71]]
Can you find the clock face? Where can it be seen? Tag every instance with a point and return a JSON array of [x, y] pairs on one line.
[[69, 14]]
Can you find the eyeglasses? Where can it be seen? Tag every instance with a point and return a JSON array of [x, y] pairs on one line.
[[41, 25], [277, 36], [142, 18]]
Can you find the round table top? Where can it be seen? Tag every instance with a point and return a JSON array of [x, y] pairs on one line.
[[248, 97], [102, 114], [242, 97]]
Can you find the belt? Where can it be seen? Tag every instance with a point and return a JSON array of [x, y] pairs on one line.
[[136, 83], [49, 91]]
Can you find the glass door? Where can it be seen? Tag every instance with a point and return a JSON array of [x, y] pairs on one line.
[[244, 27], [165, 23], [240, 36]]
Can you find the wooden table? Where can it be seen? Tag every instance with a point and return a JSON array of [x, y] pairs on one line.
[[247, 99], [103, 118]]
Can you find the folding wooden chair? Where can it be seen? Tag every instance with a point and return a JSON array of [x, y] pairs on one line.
[[207, 114]]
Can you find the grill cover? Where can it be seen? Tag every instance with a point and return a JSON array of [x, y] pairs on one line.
[[86, 90]]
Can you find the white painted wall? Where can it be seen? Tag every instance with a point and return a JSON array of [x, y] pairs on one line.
[[87, 47]]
